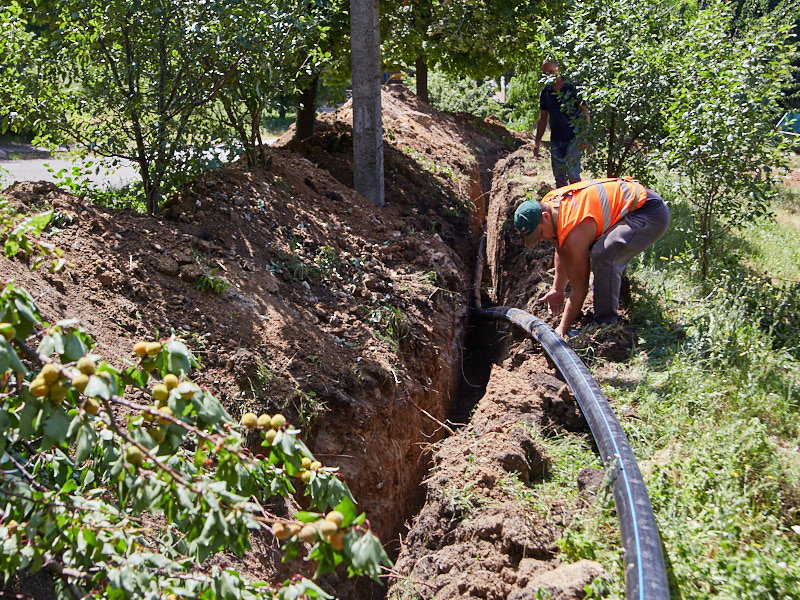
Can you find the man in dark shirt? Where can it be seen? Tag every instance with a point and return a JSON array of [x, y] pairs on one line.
[[560, 104]]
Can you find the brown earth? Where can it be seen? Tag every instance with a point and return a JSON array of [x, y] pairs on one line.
[[354, 321]]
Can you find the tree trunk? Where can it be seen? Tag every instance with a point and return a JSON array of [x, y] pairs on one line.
[[365, 49], [422, 78], [306, 111], [611, 141]]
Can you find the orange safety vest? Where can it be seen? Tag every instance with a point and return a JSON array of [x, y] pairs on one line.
[[605, 201]]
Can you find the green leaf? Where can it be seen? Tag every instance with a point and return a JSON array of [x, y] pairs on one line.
[[74, 348], [348, 508], [179, 358], [303, 588], [51, 343], [98, 386], [85, 443], [28, 315], [55, 428], [28, 416], [11, 247], [367, 555], [307, 517], [9, 358], [33, 225]]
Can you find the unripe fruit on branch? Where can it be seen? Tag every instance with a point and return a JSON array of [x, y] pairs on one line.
[[91, 406], [166, 410], [269, 436], [49, 373], [148, 416], [160, 392], [281, 531], [153, 348], [58, 391], [171, 381], [134, 455], [148, 363], [315, 466], [326, 527], [140, 349], [7, 331], [86, 365], [249, 420], [79, 382], [158, 434], [294, 528], [306, 462], [337, 540], [335, 517], [306, 476], [39, 387], [308, 533], [264, 421], [277, 421]]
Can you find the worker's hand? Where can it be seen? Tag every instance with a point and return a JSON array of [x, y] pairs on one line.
[[562, 333], [536, 149], [555, 300]]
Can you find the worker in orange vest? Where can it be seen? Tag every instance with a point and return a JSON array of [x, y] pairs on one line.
[[597, 225]]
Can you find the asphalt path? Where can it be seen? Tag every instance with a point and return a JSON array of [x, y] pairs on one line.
[[34, 164], [45, 169]]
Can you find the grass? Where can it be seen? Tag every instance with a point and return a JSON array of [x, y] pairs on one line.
[[566, 454], [718, 396]]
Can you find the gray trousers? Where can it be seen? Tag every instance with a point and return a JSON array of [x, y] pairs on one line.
[[611, 254]]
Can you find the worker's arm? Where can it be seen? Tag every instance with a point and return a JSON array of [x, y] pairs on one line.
[[540, 127], [574, 256], [555, 297]]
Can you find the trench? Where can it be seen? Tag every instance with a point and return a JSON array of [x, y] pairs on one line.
[[644, 572]]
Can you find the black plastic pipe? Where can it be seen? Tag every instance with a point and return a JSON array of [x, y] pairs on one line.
[[645, 573]]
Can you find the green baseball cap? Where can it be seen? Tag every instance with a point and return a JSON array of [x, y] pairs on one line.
[[526, 219]]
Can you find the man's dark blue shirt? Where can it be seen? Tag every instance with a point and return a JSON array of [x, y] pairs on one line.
[[563, 108]]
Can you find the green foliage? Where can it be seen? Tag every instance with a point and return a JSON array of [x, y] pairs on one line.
[[128, 197], [210, 282], [391, 324], [126, 81], [721, 127], [469, 38], [14, 41], [273, 46], [716, 394], [462, 95], [18, 234], [620, 55], [429, 165]]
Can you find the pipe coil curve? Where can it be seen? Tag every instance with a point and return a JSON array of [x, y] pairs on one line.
[[644, 570]]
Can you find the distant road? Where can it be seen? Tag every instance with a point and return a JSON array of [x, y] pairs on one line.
[[34, 169]]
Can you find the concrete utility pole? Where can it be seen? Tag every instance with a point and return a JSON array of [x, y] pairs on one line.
[[365, 61]]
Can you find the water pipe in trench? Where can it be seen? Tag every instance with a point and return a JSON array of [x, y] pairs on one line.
[[644, 570]]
